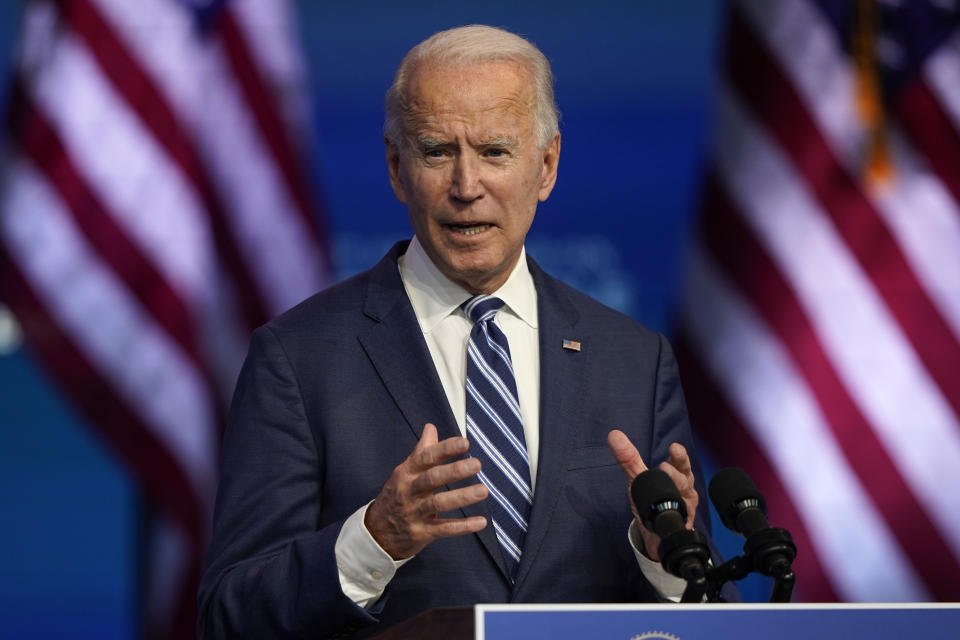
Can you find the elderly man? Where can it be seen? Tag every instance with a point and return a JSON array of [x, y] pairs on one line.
[[453, 426]]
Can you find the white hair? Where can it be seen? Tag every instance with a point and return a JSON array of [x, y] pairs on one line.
[[475, 44]]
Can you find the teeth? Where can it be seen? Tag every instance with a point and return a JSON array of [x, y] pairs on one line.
[[471, 230]]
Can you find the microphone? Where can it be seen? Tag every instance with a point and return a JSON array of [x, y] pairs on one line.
[[658, 502], [738, 501], [767, 550], [683, 552]]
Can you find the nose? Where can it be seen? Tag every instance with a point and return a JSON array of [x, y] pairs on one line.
[[465, 183]]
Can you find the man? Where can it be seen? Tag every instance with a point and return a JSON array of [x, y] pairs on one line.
[[396, 443]]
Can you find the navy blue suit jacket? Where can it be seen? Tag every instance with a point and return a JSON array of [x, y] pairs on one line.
[[334, 394]]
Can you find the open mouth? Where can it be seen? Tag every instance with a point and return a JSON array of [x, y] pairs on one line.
[[469, 229]]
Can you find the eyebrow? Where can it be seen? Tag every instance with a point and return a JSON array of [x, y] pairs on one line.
[[429, 142], [502, 141]]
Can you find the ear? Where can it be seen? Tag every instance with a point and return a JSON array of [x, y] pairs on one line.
[[393, 167], [548, 173]]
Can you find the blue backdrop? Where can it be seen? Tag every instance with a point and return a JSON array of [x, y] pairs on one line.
[[634, 83]]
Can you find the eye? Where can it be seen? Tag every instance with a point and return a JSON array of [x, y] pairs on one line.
[[433, 153], [496, 152]]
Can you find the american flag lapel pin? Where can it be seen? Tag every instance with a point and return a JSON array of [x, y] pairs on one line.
[[572, 345]]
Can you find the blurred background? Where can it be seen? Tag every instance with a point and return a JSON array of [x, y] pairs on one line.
[[781, 225]]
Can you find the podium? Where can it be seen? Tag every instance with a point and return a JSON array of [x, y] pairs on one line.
[[925, 621]]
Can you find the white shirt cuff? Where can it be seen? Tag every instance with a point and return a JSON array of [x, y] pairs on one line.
[[669, 586], [364, 567]]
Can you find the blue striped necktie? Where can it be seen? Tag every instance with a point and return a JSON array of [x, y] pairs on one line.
[[495, 428]]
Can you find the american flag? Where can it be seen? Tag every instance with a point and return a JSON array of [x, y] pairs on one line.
[[154, 209], [820, 328]]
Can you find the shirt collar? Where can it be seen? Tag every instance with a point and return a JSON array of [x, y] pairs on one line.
[[434, 296]]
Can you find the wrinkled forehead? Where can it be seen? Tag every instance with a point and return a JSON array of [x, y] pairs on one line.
[[468, 91]]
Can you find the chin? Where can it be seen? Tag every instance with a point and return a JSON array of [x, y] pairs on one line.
[[476, 279], [474, 266]]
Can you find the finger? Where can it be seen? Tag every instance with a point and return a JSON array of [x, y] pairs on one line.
[[428, 437], [449, 527], [436, 477], [429, 452], [444, 501], [626, 454], [680, 459], [687, 488], [684, 481]]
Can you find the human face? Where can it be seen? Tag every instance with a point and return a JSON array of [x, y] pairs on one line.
[[470, 169]]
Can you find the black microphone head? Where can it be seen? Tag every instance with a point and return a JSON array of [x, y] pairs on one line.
[[653, 492], [732, 491]]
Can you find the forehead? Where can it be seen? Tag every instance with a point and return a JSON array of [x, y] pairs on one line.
[[473, 93]]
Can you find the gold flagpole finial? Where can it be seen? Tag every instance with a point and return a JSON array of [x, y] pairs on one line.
[[877, 167]]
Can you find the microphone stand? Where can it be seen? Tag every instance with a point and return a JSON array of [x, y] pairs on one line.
[[685, 554], [771, 551], [768, 552]]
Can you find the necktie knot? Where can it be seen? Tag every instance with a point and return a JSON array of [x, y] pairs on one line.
[[482, 308]]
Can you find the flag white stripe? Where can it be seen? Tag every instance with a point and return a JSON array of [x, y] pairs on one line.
[[942, 73], [108, 325], [162, 210], [162, 37], [863, 341], [145, 193], [273, 37], [925, 220], [279, 248], [915, 201], [807, 50], [857, 550], [125, 167]]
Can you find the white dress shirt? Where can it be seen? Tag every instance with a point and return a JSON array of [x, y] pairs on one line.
[[365, 568]]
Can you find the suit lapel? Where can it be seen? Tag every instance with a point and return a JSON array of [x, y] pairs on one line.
[[395, 345], [562, 386]]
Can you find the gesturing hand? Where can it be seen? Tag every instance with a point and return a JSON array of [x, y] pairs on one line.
[[403, 517], [679, 469]]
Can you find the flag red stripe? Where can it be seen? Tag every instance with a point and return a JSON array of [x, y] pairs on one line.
[[39, 142], [182, 615], [726, 437], [151, 106], [268, 121], [187, 609], [922, 116], [746, 263], [147, 458], [173, 473], [774, 102]]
